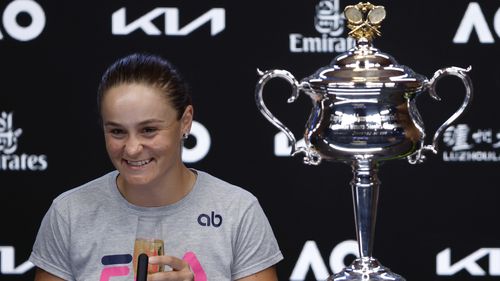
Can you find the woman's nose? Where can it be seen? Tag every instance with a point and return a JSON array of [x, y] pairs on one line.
[[133, 146]]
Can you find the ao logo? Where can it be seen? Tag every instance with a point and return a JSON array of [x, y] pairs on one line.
[[200, 150], [474, 20], [310, 258], [17, 31]]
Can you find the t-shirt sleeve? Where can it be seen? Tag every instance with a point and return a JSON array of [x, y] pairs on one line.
[[52, 245], [256, 246]]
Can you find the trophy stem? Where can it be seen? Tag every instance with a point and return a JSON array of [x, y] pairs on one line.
[[365, 188]]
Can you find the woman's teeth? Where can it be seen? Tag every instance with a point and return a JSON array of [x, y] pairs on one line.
[[138, 163]]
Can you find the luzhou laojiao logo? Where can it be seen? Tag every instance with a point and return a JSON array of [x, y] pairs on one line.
[[465, 144]]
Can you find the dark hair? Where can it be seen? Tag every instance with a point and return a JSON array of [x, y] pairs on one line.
[[150, 70]]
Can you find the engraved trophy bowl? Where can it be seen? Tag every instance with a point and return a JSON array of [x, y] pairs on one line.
[[364, 112]]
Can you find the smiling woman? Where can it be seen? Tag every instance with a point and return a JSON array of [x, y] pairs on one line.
[[146, 113], [144, 139]]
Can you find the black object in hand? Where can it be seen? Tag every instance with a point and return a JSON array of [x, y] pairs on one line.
[[142, 267]]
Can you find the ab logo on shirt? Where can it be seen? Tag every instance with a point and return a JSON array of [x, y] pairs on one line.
[[206, 220]]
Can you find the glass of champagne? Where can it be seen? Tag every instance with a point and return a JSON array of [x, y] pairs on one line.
[[148, 240]]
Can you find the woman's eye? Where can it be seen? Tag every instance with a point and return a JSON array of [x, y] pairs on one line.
[[116, 132], [149, 130]]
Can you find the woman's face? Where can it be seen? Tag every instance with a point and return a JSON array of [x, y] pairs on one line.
[[142, 133]]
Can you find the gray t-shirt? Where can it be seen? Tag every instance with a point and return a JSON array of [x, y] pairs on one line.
[[220, 229]]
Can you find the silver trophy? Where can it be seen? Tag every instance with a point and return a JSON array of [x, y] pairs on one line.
[[364, 112]]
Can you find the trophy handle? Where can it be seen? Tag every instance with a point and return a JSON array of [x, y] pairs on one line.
[[311, 157], [462, 74]]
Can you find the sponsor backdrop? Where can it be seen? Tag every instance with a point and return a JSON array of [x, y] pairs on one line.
[[436, 221]]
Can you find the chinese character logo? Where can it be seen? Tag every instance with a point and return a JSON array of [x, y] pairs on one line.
[[456, 137], [8, 136], [471, 145], [328, 19], [329, 22], [10, 158]]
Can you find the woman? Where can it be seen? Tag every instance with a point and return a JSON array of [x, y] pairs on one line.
[[212, 230]]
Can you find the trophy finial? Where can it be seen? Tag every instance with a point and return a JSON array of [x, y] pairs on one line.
[[364, 20]]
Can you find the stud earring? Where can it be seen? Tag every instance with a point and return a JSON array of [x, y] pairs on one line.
[[185, 136]]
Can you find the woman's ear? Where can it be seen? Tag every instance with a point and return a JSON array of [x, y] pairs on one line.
[[187, 119]]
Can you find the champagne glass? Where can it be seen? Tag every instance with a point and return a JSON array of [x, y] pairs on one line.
[[149, 241]]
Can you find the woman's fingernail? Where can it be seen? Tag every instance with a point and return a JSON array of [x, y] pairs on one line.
[[153, 259]]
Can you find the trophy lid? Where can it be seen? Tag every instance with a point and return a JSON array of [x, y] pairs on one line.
[[364, 66]]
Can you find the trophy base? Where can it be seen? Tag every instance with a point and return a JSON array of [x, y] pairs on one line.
[[366, 269]]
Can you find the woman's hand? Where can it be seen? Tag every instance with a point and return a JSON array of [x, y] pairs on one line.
[[180, 269]]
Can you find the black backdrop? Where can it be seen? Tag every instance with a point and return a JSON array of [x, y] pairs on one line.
[[436, 221]]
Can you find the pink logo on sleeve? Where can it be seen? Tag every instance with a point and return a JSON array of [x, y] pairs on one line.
[[109, 272], [199, 273]]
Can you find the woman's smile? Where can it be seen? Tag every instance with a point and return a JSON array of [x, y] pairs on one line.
[[140, 163]]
